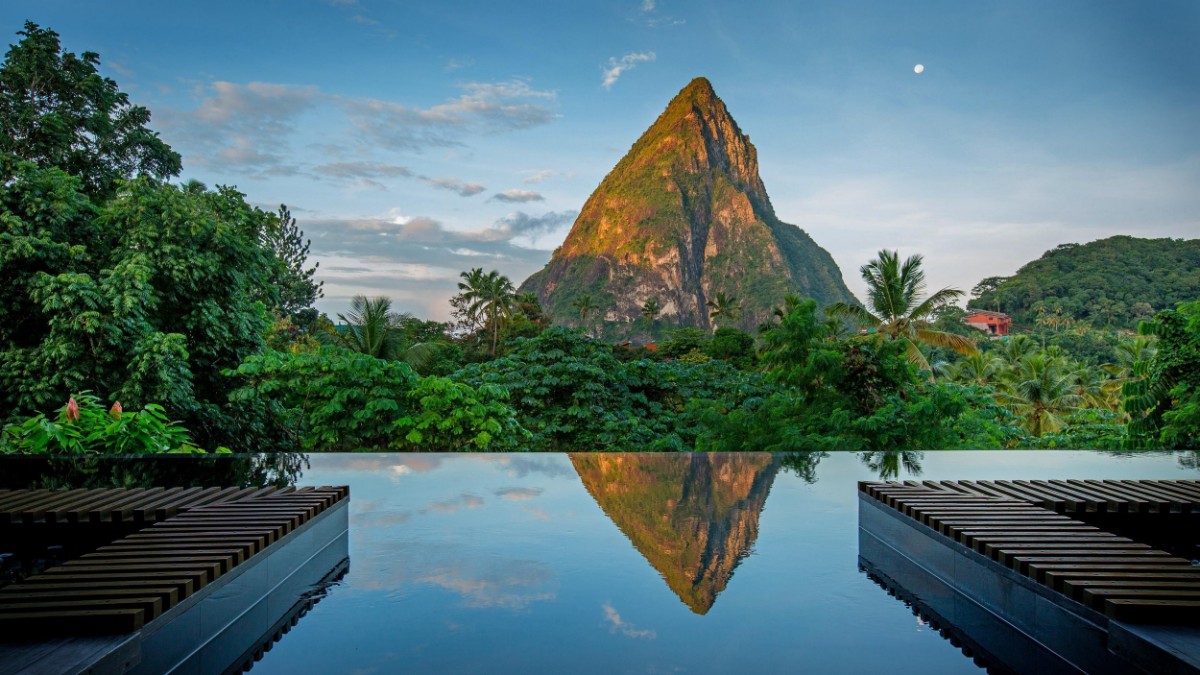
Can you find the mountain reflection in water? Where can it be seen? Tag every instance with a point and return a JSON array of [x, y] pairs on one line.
[[694, 517]]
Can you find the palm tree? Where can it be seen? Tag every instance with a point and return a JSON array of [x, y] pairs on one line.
[[650, 312], [585, 306], [651, 309], [1016, 348], [898, 308], [489, 299], [978, 368], [1129, 366], [723, 307], [1041, 389], [372, 328]]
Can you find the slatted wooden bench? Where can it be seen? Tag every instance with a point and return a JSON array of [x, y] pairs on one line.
[[1025, 526], [192, 537]]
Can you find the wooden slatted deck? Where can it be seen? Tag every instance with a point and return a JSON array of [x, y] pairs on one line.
[[1025, 526], [140, 505], [193, 536]]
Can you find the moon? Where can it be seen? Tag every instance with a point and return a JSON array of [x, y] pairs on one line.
[[918, 69]]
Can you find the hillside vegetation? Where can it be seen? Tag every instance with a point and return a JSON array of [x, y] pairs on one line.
[[1114, 282]]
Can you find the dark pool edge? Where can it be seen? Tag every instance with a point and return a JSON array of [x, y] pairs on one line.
[[972, 591], [213, 628]]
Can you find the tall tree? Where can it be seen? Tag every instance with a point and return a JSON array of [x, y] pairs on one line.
[[297, 288], [372, 328], [584, 305], [1041, 390], [57, 110], [1164, 398], [487, 299], [145, 297], [651, 309], [723, 307], [898, 308]]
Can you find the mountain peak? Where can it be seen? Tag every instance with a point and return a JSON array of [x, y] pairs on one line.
[[696, 133], [683, 217], [699, 89]]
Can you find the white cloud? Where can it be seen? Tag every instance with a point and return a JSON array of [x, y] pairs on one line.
[[462, 187], [416, 260], [240, 125], [463, 501], [515, 196], [249, 127], [519, 223], [1011, 218], [539, 176], [485, 107], [518, 494], [624, 627], [618, 66], [648, 5], [362, 174]]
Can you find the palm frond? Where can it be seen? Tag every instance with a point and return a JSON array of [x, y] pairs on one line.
[[937, 338], [855, 313]]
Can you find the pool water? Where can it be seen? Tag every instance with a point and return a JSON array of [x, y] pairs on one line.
[[610, 563]]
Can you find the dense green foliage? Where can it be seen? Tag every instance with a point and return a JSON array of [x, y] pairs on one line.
[[145, 296], [1112, 282], [1164, 399], [188, 304], [859, 393], [84, 426], [334, 399], [298, 288], [56, 110], [572, 393], [898, 309]]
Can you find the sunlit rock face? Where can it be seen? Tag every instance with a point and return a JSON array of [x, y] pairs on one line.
[[694, 517], [682, 217]]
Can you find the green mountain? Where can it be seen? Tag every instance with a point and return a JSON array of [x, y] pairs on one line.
[[693, 516], [682, 217], [1109, 282]]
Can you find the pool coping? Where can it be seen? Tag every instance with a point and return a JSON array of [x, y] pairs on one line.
[[908, 532], [216, 626]]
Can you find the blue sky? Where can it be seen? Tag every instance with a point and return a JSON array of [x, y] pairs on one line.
[[416, 140]]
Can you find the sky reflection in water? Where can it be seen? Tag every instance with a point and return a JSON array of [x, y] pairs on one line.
[[629, 563]]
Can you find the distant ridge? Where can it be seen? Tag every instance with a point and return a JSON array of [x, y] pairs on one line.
[[1107, 282], [682, 217]]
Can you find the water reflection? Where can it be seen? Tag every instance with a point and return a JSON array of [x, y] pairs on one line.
[[280, 469], [886, 464], [694, 517], [803, 464]]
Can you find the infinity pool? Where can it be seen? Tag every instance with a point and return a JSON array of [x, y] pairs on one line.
[[630, 563], [603, 563]]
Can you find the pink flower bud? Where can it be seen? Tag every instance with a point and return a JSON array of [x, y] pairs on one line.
[[116, 410], [72, 410]]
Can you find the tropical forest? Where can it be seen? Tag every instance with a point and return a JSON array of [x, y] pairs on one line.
[[142, 314]]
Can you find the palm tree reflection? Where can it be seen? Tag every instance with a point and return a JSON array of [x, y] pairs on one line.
[[886, 463]]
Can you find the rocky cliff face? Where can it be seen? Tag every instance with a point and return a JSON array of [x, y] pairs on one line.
[[694, 517], [682, 217]]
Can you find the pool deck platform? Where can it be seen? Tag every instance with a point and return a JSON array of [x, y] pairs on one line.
[[1022, 570], [195, 581]]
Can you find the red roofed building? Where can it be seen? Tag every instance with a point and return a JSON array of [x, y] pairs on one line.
[[992, 323]]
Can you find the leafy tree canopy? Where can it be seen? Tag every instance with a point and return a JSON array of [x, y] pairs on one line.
[[57, 110], [1112, 282], [143, 297]]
